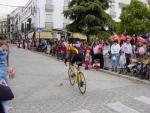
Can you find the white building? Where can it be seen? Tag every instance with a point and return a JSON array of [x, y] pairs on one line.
[[3, 26], [66, 21], [116, 6], [15, 22], [148, 2], [44, 14]]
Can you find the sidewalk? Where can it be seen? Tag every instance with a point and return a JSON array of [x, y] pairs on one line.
[[126, 76]]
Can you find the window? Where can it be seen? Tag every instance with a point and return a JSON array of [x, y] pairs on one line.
[[49, 8], [49, 17], [49, 1], [66, 2], [49, 25]]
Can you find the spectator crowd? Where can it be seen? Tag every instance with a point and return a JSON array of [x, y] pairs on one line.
[[124, 55]]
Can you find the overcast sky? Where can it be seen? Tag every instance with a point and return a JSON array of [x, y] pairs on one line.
[[6, 10]]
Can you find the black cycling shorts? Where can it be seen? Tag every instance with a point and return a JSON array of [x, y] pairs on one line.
[[78, 60]]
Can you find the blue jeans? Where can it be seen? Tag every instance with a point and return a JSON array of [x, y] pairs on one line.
[[115, 60], [5, 106]]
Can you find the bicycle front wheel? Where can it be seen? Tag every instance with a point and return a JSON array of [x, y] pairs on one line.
[[71, 76], [81, 83]]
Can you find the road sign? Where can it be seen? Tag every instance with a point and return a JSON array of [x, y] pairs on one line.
[[39, 30]]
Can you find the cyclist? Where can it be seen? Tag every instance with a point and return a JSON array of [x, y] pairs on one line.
[[74, 53]]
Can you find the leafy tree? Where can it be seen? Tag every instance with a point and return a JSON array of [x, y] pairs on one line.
[[89, 17], [135, 19]]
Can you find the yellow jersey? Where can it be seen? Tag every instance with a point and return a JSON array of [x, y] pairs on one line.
[[72, 49]]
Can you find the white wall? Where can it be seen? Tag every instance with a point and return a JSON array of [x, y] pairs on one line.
[[41, 7], [58, 13], [118, 10]]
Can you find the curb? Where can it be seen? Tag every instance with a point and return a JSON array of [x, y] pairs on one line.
[[126, 76]]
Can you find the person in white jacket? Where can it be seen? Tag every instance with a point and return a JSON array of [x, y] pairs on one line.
[[115, 50]]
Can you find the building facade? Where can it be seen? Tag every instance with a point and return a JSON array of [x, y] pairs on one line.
[[3, 27], [116, 8], [44, 14], [148, 2], [14, 23]]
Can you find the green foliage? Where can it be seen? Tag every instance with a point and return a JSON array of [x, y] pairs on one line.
[[89, 17], [135, 19]]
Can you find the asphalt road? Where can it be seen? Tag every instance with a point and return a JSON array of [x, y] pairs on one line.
[[36, 89]]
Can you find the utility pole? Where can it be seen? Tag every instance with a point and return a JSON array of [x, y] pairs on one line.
[[39, 21]]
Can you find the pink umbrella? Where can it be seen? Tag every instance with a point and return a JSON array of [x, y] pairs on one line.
[[114, 38], [141, 39], [122, 37]]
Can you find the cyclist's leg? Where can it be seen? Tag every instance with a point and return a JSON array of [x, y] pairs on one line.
[[72, 61], [79, 61]]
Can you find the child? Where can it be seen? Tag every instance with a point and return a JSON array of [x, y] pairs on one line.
[[122, 61], [133, 58], [96, 64], [5, 71], [87, 59]]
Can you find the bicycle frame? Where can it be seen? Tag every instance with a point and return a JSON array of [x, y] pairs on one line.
[[77, 77], [76, 70]]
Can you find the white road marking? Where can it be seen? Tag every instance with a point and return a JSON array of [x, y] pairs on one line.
[[82, 111], [120, 108], [143, 99]]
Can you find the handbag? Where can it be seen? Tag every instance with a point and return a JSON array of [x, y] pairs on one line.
[[5, 93]]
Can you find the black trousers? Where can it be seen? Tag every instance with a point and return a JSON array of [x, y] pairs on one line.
[[1, 108], [101, 58], [128, 56]]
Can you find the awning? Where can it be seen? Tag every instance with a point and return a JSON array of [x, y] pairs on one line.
[[44, 35], [80, 36]]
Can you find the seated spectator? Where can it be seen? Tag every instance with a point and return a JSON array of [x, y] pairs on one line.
[[96, 64]]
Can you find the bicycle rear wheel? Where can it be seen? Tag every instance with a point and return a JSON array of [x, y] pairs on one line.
[[81, 83], [71, 76]]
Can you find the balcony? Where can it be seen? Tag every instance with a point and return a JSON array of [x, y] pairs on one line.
[[49, 25], [49, 8], [66, 2], [49, 1]]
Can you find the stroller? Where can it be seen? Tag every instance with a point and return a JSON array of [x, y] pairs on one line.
[[140, 69]]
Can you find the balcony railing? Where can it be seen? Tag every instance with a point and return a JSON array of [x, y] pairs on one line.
[[49, 8], [49, 25], [49, 1]]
